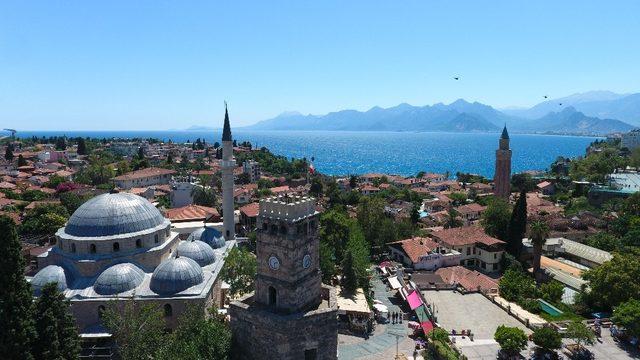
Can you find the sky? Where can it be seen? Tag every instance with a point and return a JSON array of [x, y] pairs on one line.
[[155, 65]]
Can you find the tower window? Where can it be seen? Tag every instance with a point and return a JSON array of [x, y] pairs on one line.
[[116, 246], [92, 248], [283, 229], [138, 243], [311, 354], [168, 310], [156, 238], [73, 248], [265, 226], [273, 294]]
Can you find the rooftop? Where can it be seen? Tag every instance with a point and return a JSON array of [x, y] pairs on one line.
[[144, 173], [465, 235]]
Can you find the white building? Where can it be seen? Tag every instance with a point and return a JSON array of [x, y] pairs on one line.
[[252, 168]]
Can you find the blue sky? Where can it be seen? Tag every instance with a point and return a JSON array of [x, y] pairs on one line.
[[118, 65]]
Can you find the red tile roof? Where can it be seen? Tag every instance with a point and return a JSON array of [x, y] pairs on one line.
[[468, 279], [416, 247], [465, 235], [470, 208], [250, 210], [191, 213], [143, 173]]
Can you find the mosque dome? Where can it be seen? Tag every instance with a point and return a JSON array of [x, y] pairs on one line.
[[113, 214], [118, 279], [49, 274], [197, 251], [176, 275], [208, 235]]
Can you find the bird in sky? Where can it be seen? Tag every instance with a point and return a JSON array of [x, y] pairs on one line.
[[560, 104], [546, 97], [456, 78]]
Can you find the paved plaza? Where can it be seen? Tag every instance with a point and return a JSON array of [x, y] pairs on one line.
[[382, 343]]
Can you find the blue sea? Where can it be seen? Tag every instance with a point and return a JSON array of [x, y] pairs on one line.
[[404, 153]]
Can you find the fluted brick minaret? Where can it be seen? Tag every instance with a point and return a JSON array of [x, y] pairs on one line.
[[228, 164], [502, 177]]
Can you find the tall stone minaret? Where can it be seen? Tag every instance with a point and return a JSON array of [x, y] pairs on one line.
[[502, 177], [228, 164]]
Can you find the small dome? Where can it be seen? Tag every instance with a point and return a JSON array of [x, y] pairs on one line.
[[176, 275], [50, 274], [208, 235], [198, 251], [113, 214], [118, 279]]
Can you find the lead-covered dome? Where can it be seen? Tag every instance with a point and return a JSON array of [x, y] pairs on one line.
[[197, 251], [113, 214], [176, 275], [49, 274], [208, 235], [118, 279]]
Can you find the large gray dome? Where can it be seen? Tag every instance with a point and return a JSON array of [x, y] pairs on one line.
[[118, 279], [113, 214], [176, 275], [197, 251], [49, 274], [208, 235]]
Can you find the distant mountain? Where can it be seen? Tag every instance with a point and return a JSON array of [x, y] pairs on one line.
[[200, 128], [602, 104], [459, 116], [571, 121]]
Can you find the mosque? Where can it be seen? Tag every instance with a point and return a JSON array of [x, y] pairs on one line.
[[119, 246]]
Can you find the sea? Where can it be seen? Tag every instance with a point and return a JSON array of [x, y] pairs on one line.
[[402, 153]]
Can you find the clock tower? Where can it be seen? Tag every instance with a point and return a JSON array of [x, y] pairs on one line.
[[291, 315]]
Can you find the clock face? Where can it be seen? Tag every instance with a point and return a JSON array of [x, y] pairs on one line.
[[274, 263], [306, 261]]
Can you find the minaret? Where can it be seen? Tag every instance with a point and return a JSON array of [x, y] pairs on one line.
[[228, 163], [502, 177]]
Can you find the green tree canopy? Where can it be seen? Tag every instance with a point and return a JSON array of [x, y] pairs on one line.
[[239, 271], [57, 336], [44, 219], [495, 219], [627, 314], [517, 226], [615, 281], [580, 333], [516, 285], [512, 340], [16, 306], [547, 338]]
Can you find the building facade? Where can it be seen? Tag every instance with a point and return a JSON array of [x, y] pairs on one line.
[[291, 314], [502, 177]]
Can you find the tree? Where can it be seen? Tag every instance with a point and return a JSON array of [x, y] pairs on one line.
[[198, 337], [137, 328], [44, 219], [334, 231], [547, 338], [415, 214], [349, 276], [516, 285], [8, 153], [452, 220], [603, 241], [22, 161], [522, 182], [72, 201], [57, 336], [316, 187], [580, 333], [552, 291], [615, 281], [538, 232], [82, 147], [61, 143], [512, 340], [370, 217], [495, 218], [244, 178], [353, 182], [327, 262], [239, 271], [203, 195], [16, 305], [517, 226], [627, 314]]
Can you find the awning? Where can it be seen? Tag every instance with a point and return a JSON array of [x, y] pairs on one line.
[[426, 326], [421, 313], [414, 300], [381, 308], [393, 281]]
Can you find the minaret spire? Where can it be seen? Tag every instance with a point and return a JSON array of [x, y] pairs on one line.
[[227, 164], [226, 130]]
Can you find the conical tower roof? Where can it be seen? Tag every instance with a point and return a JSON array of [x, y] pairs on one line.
[[505, 133], [226, 130]]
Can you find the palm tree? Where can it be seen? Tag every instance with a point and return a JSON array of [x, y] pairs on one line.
[[538, 233]]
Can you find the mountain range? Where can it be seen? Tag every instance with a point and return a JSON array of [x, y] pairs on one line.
[[569, 115]]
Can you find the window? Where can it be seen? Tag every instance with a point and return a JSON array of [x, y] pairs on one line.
[[495, 266], [495, 255], [474, 250], [311, 354], [264, 226], [138, 243], [92, 248], [272, 296], [73, 248], [168, 310], [483, 265], [156, 238], [116, 246], [468, 251], [283, 229]]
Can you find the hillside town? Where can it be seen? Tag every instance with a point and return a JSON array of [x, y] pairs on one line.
[[442, 266]]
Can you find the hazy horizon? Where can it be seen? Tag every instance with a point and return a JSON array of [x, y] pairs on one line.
[[160, 66]]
